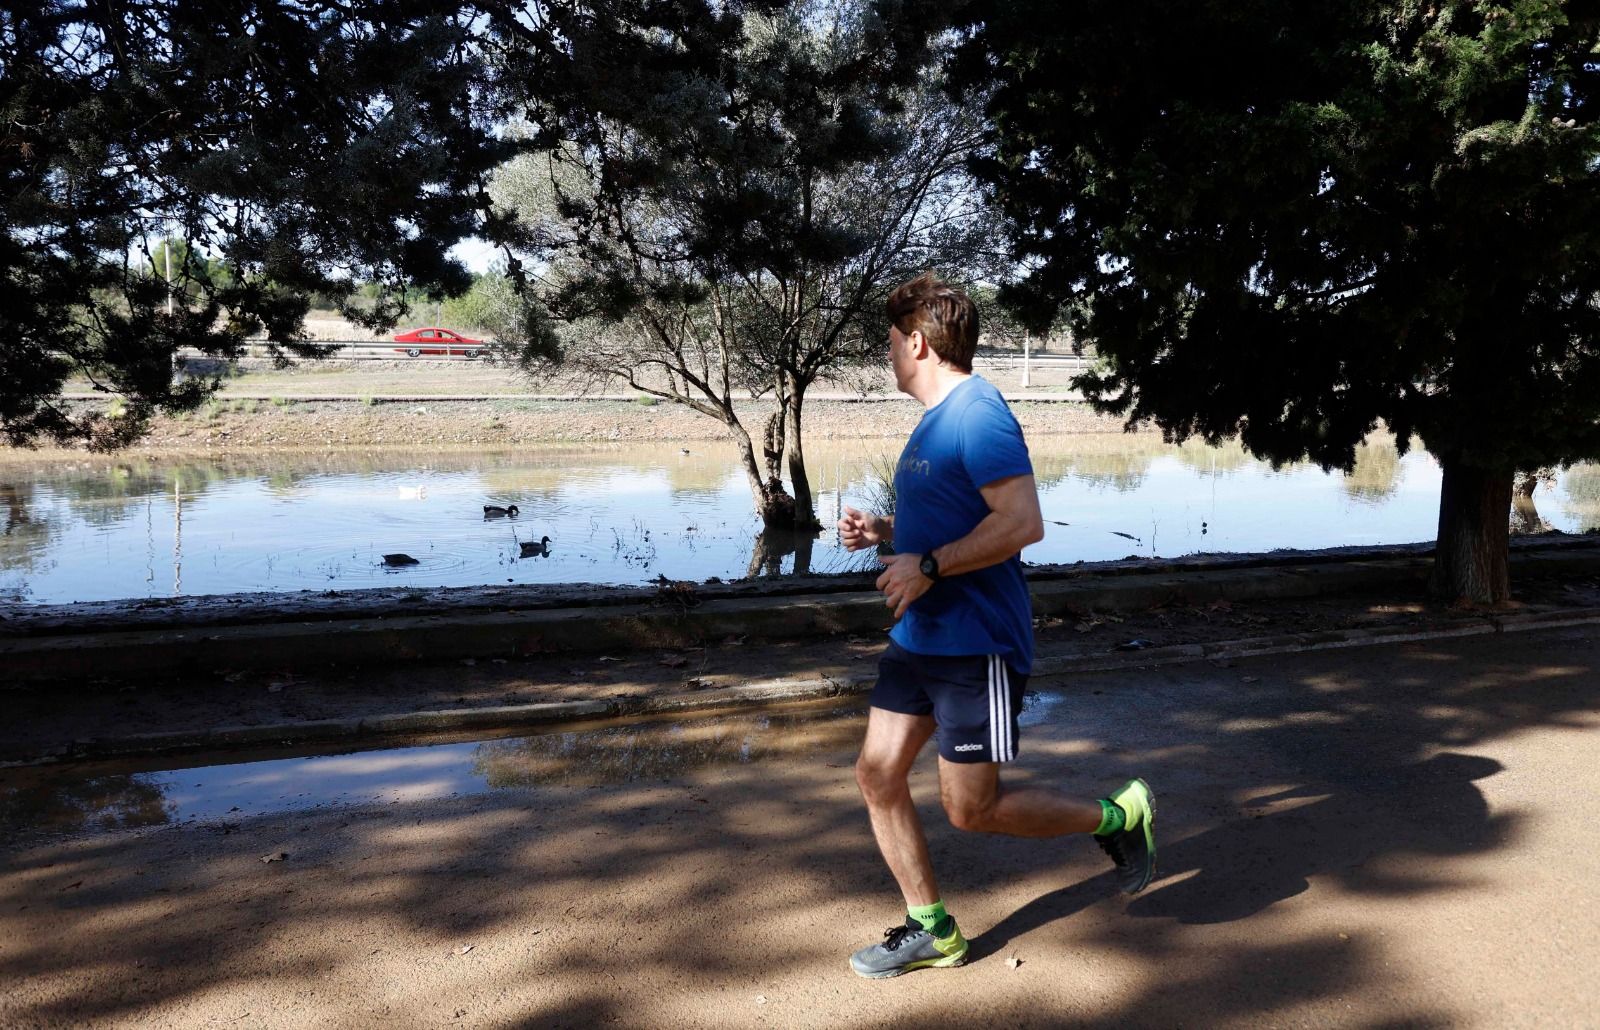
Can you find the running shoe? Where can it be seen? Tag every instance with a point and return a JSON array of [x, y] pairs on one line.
[[1133, 848], [909, 947]]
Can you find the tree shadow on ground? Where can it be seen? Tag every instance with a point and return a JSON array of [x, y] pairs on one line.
[[672, 889]]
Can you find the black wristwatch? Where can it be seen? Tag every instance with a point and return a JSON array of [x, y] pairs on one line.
[[930, 566]]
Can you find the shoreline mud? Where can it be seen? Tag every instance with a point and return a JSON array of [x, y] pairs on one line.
[[287, 424]]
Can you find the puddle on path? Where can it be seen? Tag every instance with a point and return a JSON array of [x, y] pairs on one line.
[[106, 797]]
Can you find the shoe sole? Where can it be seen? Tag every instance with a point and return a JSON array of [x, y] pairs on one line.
[[1149, 828], [948, 962]]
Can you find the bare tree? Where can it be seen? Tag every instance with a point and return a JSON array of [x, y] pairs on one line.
[[742, 248]]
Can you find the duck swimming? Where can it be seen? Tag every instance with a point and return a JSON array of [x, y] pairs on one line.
[[535, 550], [494, 511]]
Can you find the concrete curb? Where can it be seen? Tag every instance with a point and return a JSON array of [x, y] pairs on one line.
[[371, 639], [374, 728]]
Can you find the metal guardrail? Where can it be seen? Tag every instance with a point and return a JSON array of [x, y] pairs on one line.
[[380, 350], [352, 350]]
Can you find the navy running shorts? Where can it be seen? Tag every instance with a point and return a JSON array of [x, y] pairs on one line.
[[974, 700]]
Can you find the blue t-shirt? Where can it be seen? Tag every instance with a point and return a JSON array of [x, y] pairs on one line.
[[966, 441]]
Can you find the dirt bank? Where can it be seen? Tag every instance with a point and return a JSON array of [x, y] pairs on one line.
[[286, 424]]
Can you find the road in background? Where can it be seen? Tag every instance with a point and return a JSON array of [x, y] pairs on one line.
[[363, 370]]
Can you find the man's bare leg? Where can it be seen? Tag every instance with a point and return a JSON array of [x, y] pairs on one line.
[[975, 799], [892, 742]]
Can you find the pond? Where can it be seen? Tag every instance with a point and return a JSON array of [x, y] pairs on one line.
[[102, 529]]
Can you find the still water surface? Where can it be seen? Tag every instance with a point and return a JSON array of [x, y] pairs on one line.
[[626, 513], [76, 800]]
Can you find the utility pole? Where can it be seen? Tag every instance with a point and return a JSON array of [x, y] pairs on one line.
[[1027, 352]]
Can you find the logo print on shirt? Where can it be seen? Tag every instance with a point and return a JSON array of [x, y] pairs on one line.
[[909, 462]]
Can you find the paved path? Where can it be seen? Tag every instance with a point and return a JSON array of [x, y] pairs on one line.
[[1403, 835]]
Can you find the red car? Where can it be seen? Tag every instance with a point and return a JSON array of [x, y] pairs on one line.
[[434, 340]]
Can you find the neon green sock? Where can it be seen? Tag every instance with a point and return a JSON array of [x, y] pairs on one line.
[[930, 916], [1112, 818]]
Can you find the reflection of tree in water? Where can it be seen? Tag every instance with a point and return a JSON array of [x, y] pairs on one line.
[[1102, 459], [1582, 487], [103, 495], [1204, 458], [26, 538], [771, 546], [117, 801], [623, 754], [1376, 475]]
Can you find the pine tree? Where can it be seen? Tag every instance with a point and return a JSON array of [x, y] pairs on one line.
[[1298, 222], [286, 149]]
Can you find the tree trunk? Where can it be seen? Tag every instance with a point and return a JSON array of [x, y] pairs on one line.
[[1525, 517], [1470, 562], [775, 507], [805, 508]]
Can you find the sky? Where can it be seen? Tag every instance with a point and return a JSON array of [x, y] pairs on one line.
[[474, 253]]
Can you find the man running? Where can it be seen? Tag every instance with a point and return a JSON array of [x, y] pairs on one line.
[[962, 646]]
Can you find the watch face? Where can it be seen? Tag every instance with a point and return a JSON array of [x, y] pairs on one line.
[[930, 568]]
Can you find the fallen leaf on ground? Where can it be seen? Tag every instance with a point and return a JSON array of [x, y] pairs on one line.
[[608, 658], [463, 949], [1013, 962], [276, 856]]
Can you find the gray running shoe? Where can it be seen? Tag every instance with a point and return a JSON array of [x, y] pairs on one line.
[[1133, 848], [909, 947]]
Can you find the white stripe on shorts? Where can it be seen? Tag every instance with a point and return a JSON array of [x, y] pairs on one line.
[[1003, 744], [1005, 694]]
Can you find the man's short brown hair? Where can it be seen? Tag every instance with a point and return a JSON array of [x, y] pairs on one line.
[[944, 314]]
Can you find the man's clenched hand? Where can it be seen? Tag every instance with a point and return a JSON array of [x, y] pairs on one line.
[[858, 531], [902, 581]]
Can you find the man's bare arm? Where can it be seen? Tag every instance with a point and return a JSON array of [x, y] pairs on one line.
[[1014, 521]]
